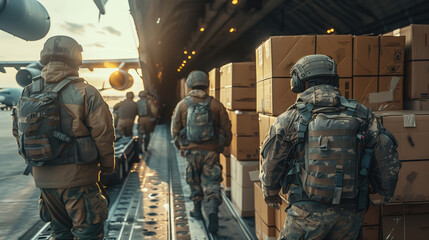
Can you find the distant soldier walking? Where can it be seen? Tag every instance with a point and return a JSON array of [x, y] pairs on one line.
[[148, 113], [127, 111], [201, 129], [328, 153], [65, 133]]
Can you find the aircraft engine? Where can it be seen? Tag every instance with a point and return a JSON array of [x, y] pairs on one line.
[[121, 80], [26, 19], [25, 76]]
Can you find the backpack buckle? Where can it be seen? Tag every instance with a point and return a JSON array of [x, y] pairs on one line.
[[324, 145]]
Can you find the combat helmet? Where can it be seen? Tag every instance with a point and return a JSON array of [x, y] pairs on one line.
[[61, 48], [197, 79], [143, 94], [315, 69]]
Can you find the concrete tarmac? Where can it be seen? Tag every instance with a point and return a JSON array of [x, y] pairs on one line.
[[18, 194]]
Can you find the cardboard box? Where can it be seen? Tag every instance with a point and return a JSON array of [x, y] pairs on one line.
[[411, 130], [225, 162], [277, 234], [362, 87], [389, 94], [391, 55], [262, 209], [260, 62], [365, 55], [417, 80], [404, 209], [238, 98], [243, 199], [280, 216], [245, 147], [260, 97], [214, 78], [215, 93], [278, 96], [417, 105], [412, 182], [282, 52], [415, 227], [338, 47], [240, 172], [372, 216], [264, 127], [264, 232], [244, 123], [346, 87], [371, 233], [242, 74], [226, 182], [416, 41]]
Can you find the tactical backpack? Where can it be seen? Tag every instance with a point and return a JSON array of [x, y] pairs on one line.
[[199, 120], [40, 136], [332, 160], [143, 108]]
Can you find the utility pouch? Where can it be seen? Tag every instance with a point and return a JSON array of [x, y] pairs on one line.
[[183, 140], [86, 150]]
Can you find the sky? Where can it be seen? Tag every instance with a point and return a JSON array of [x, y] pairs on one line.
[[112, 37]]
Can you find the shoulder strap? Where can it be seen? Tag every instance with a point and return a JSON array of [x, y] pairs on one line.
[[59, 86], [189, 101], [351, 106], [208, 100]]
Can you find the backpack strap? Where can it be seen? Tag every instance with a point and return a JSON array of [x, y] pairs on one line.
[[59, 86], [351, 106], [189, 101]]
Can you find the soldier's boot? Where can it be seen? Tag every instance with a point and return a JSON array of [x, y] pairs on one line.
[[213, 215], [196, 212]]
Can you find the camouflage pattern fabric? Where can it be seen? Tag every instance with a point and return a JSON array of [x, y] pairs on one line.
[[310, 221], [77, 212], [203, 174]]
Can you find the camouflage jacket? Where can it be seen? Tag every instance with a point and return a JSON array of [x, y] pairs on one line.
[[127, 109], [283, 134], [221, 122], [83, 113]]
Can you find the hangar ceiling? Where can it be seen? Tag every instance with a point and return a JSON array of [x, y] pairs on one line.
[[234, 28]]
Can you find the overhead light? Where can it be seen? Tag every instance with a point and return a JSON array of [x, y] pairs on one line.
[[234, 2], [189, 57], [202, 29], [193, 52], [178, 70], [328, 31], [183, 64], [232, 30], [158, 21], [185, 52], [184, 61], [332, 30]]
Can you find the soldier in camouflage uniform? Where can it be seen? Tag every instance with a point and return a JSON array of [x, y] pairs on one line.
[[71, 198], [148, 113], [285, 164], [126, 113], [203, 169]]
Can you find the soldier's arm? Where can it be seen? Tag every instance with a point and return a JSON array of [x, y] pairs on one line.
[[273, 161], [118, 105], [225, 125], [15, 126], [176, 124], [385, 164], [153, 109], [99, 120]]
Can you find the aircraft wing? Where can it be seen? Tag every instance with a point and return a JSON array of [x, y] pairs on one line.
[[125, 63]]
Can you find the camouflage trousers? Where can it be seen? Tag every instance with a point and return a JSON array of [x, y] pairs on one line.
[[125, 127], [74, 213], [203, 174], [310, 221]]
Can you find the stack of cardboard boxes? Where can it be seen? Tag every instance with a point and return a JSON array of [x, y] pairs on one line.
[[416, 65], [214, 87], [238, 95]]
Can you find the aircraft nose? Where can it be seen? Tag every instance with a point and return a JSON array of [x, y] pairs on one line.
[[2, 98]]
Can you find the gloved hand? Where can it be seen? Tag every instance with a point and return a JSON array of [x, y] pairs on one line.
[[107, 170], [182, 153], [273, 201]]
